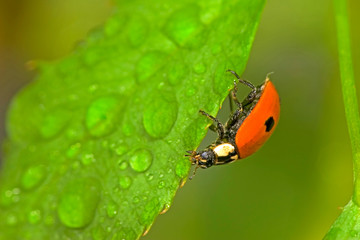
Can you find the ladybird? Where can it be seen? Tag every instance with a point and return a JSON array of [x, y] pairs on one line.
[[247, 129]]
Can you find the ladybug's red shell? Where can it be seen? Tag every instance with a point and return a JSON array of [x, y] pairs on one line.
[[260, 123]]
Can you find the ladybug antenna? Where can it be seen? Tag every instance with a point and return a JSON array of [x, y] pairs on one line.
[[249, 84], [267, 75], [196, 167]]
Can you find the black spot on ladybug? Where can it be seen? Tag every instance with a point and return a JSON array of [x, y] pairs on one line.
[[269, 124]]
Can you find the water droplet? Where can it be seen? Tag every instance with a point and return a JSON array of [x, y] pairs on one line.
[[149, 64], [124, 182], [183, 24], [32, 177], [161, 184], [93, 87], [123, 165], [149, 176], [137, 31], [34, 216], [177, 72], [101, 116], [190, 91], [141, 160], [73, 150], [87, 158], [199, 68], [78, 202], [112, 209], [136, 199], [120, 150], [182, 168], [11, 219], [160, 114], [165, 208], [6, 198], [53, 123]]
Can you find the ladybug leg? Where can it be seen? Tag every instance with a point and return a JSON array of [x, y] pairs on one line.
[[234, 97], [249, 84], [233, 119], [219, 126]]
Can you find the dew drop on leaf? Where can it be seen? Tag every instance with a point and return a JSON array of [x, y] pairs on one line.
[[123, 164], [34, 216], [53, 123], [73, 150], [199, 68], [32, 177], [149, 176], [111, 209], [124, 182], [141, 160], [11, 219], [87, 158], [149, 64], [160, 115], [183, 24], [78, 202], [136, 199], [120, 150], [101, 116], [161, 184]]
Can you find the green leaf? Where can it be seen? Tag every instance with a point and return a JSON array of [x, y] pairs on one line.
[[96, 143], [347, 226]]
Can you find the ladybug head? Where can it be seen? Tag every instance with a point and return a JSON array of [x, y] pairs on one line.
[[203, 159]]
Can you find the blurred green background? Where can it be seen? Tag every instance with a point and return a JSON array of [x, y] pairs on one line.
[[294, 186]]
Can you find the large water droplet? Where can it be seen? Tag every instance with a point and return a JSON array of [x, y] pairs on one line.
[[34, 216], [160, 114], [124, 182], [137, 30], [149, 64], [78, 202], [183, 24], [101, 116], [141, 160], [33, 176], [53, 123], [112, 209]]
